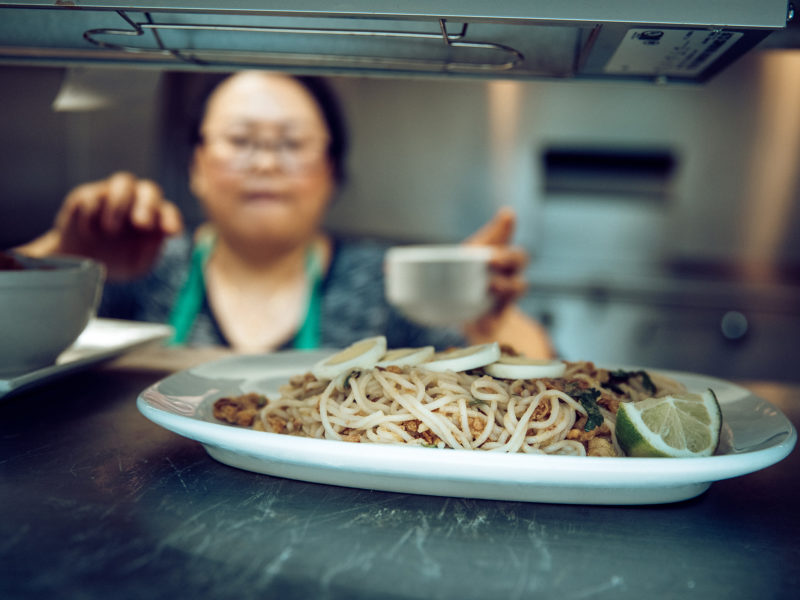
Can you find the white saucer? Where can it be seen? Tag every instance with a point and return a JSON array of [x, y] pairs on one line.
[[102, 339]]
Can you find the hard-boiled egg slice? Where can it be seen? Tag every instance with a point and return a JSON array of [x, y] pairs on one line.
[[522, 367], [359, 355], [405, 356], [464, 359]]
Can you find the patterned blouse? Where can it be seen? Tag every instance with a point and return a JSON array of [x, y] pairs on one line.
[[352, 303]]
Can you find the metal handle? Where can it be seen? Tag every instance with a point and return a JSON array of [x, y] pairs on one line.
[[452, 40]]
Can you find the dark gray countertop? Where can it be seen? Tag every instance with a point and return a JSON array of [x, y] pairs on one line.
[[98, 502]]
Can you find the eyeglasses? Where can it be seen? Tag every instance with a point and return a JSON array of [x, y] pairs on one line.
[[295, 153]]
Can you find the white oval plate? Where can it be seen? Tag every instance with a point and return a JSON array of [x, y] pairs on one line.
[[755, 435]]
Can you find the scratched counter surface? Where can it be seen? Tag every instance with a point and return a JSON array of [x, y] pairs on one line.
[[98, 502]]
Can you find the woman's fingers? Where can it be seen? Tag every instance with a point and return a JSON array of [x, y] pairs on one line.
[[498, 231], [84, 209], [508, 281], [170, 218], [506, 290], [150, 213], [116, 204], [120, 197], [508, 260], [121, 221], [145, 213]]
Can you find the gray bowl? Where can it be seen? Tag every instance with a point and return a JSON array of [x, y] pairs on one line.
[[44, 308]]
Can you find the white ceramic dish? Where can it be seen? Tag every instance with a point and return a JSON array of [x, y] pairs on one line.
[[100, 340], [755, 435]]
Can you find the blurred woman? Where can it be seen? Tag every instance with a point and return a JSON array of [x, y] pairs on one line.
[[262, 274]]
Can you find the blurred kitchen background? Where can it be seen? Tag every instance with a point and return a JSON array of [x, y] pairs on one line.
[[663, 222]]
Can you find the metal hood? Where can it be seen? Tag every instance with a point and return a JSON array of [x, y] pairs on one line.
[[658, 40]]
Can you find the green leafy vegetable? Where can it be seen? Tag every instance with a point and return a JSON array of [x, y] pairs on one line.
[[617, 377], [588, 399], [353, 373], [476, 402]]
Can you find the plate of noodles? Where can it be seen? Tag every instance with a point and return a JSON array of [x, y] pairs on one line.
[[452, 434]]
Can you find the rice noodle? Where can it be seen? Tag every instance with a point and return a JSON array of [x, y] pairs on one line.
[[468, 410]]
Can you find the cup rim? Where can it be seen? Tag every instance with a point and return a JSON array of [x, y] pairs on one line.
[[63, 269], [434, 253]]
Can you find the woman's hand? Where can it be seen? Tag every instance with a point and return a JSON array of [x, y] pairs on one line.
[[506, 323], [120, 221], [507, 264]]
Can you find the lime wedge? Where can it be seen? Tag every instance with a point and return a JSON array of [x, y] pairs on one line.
[[673, 426]]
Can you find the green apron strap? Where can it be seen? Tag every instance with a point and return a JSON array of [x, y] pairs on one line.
[[308, 336], [190, 298]]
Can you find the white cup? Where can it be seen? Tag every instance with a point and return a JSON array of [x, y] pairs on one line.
[[438, 285]]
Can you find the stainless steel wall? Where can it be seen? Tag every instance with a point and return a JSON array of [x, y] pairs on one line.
[[734, 197]]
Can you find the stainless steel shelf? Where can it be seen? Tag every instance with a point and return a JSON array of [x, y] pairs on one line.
[[618, 40]]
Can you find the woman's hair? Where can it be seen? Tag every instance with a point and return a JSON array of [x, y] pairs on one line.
[[322, 93], [328, 103]]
